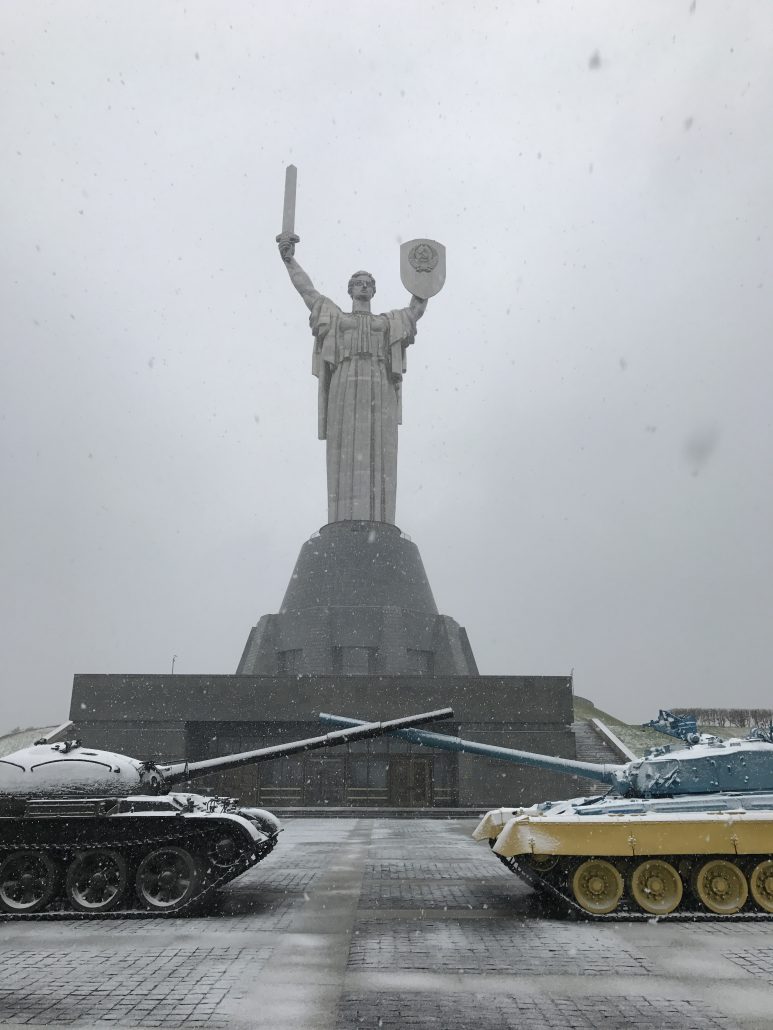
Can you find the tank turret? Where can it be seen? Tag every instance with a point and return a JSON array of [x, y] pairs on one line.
[[94, 832], [686, 829]]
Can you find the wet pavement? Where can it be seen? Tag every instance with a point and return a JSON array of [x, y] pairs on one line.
[[384, 925]]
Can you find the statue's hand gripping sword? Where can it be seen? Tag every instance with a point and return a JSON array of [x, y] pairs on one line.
[[287, 238]]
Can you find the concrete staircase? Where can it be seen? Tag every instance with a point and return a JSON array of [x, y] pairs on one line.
[[591, 747]]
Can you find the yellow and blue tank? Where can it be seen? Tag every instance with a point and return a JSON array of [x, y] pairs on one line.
[[686, 829]]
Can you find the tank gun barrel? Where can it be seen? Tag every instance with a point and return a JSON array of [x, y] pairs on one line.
[[589, 770], [179, 772]]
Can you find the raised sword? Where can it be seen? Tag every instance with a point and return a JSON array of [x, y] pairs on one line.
[[288, 210]]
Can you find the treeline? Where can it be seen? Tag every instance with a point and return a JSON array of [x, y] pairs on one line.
[[746, 717]]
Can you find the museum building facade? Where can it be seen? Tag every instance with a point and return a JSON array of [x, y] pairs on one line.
[[172, 718]]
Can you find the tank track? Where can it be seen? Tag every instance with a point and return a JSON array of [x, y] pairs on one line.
[[555, 883], [197, 842]]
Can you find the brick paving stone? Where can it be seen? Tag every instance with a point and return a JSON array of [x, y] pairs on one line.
[[537, 948], [451, 870], [444, 895], [278, 880], [758, 962], [131, 989], [398, 1011], [234, 911], [738, 928]]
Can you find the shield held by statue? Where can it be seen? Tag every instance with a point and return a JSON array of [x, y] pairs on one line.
[[423, 267]]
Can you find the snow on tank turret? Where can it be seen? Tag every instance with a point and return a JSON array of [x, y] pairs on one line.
[[687, 828], [92, 831]]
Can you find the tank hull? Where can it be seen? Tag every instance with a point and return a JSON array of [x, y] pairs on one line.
[[141, 855], [611, 857]]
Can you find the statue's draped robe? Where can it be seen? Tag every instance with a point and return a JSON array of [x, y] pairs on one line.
[[359, 359]]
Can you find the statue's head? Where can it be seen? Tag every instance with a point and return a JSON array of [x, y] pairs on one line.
[[362, 286]]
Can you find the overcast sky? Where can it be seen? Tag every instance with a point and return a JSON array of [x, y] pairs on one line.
[[585, 460]]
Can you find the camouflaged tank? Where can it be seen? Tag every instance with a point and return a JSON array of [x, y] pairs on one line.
[[685, 830], [89, 832]]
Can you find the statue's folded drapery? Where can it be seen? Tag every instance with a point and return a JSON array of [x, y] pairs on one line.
[[359, 359]]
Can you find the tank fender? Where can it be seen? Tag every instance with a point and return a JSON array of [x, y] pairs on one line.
[[232, 817], [493, 822], [265, 820]]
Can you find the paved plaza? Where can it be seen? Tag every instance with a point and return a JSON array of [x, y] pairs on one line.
[[390, 924]]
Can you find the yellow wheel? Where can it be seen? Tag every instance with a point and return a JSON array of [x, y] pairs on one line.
[[761, 883], [597, 887], [721, 886], [657, 887]]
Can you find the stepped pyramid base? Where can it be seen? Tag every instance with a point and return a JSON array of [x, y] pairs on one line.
[[358, 603]]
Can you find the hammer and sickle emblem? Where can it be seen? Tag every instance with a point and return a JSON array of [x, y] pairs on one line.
[[423, 257]]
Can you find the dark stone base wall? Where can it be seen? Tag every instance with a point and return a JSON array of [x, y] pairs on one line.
[[167, 717]]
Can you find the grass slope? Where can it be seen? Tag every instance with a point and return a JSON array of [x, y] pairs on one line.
[[637, 738]]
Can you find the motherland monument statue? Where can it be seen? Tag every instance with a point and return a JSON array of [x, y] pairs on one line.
[[359, 359], [359, 601]]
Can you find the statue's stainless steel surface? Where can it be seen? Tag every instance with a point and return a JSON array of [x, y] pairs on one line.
[[423, 267], [288, 212], [359, 360]]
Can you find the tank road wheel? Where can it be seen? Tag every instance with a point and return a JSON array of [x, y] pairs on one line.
[[597, 887], [167, 879], [28, 881], [761, 883], [96, 880], [721, 886], [657, 887], [224, 852]]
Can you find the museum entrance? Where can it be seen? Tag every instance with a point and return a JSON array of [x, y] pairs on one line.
[[379, 773], [410, 781], [325, 781]]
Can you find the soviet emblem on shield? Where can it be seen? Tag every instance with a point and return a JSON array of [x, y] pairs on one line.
[[423, 267], [423, 257]]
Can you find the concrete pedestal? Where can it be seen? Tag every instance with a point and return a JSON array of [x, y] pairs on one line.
[[358, 603]]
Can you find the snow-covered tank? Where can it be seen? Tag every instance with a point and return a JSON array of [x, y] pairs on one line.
[[686, 829], [91, 831]]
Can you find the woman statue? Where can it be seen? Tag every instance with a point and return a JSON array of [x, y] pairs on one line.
[[359, 359]]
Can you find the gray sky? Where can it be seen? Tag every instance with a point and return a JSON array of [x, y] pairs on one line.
[[585, 460]]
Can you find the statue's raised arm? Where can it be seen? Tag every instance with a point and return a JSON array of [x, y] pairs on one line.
[[418, 306], [299, 278]]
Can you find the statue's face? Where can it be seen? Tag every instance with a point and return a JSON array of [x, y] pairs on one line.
[[361, 287]]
